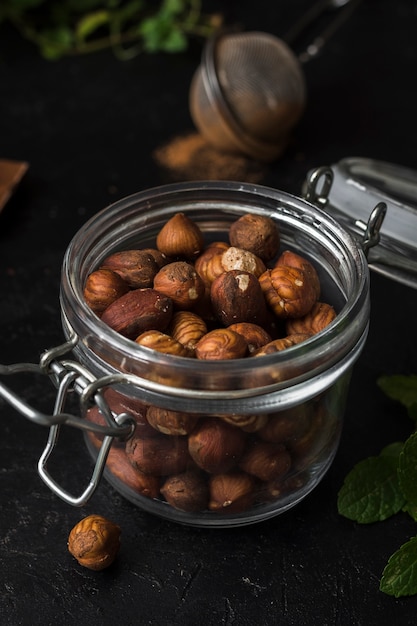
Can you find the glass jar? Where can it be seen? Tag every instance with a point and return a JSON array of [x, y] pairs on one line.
[[271, 425]]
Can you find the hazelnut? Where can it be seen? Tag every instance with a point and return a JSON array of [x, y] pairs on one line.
[[136, 267], [159, 257], [307, 449], [288, 291], [209, 263], [161, 342], [281, 344], [180, 282], [231, 493], [267, 461], [119, 465], [237, 296], [216, 446], [159, 456], [94, 542], [139, 310], [187, 491], [180, 237], [316, 320], [171, 422], [291, 259], [103, 287], [248, 423], [257, 233], [120, 403], [254, 335], [239, 259], [187, 327], [274, 489], [219, 344], [287, 425]]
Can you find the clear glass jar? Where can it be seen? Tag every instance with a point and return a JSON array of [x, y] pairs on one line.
[[293, 401]]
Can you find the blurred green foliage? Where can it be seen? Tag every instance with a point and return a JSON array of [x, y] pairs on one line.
[[129, 27]]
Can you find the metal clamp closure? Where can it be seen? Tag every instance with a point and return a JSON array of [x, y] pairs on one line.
[[70, 376], [316, 190]]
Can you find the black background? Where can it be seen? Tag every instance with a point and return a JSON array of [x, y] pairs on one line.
[[88, 127]]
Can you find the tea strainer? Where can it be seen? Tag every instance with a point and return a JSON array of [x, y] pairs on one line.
[[249, 91]]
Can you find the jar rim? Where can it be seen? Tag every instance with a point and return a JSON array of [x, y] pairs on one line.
[[113, 226]]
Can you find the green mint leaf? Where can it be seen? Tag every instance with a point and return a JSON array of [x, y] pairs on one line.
[[411, 510], [407, 470], [172, 7], [371, 491], [393, 449], [399, 577], [175, 41], [403, 389]]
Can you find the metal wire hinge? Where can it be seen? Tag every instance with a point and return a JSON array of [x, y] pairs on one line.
[[70, 376], [317, 189]]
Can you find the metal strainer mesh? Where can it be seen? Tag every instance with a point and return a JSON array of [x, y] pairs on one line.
[[248, 93]]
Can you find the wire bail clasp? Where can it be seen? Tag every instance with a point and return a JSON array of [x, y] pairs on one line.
[[70, 376]]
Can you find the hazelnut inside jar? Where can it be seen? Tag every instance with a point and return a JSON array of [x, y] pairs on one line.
[[298, 390]]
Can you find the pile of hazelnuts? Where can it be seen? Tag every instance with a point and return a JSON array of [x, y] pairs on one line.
[[221, 300]]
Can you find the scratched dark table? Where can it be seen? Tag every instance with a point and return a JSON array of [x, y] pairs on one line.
[[88, 127]]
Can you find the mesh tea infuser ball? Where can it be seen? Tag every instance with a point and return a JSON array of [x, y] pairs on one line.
[[247, 94]]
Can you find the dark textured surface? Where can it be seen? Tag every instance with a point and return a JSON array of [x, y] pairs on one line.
[[88, 127]]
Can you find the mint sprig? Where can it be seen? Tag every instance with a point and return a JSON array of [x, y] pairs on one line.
[[128, 27], [382, 486]]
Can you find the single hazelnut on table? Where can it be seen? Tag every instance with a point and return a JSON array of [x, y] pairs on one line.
[[257, 233], [187, 491], [181, 282], [180, 237], [216, 446], [288, 291], [231, 493], [94, 542], [219, 344], [136, 267], [102, 288]]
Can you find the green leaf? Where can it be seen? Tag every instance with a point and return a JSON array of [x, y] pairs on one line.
[[403, 389], [393, 449], [90, 23], [172, 7], [56, 42], [407, 470], [371, 491], [399, 577], [175, 41]]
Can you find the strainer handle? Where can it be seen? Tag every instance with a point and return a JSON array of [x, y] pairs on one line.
[[344, 10]]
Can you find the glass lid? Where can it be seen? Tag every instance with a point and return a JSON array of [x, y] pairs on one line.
[[354, 186]]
